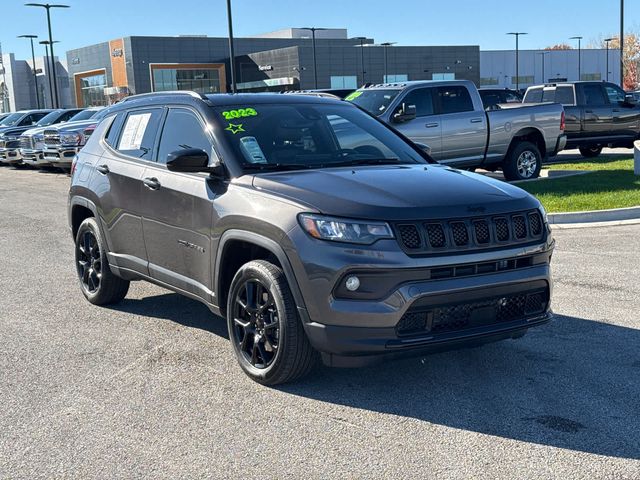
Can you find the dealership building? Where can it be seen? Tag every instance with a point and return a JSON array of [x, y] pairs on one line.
[[101, 74]]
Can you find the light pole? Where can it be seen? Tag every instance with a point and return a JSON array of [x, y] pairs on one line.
[[607, 40], [579, 55], [517, 35], [232, 56], [622, 44], [48, 7], [33, 59], [362, 39], [313, 31], [299, 70], [48, 67], [543, 54], [386, 73]]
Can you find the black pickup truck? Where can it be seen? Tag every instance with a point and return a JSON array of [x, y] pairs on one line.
[[598, 114]]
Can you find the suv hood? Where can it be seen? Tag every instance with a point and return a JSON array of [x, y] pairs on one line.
[[14, 130], [73, 126], [397, 192]]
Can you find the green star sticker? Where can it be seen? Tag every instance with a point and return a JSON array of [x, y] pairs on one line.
[[235, 128]]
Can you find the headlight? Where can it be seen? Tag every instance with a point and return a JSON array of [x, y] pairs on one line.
[[344, 230], [543, 212], [70, 138]]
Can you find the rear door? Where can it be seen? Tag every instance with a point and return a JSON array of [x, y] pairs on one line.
[[426, 127], [464, 130], [132, 139], [177, 209], [597, 117], [626, 118]]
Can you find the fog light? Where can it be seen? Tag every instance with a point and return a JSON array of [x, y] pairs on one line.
[[352, 283]]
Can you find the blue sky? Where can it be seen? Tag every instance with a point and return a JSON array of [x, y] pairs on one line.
[[408, 22]]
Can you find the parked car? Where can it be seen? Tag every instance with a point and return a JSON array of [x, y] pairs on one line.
[[324, 92], [14, 137], [449, 117], [493, 97], [62, 143], [32, 141], [3, 116], [14, 124], [308, 224], [598, 114]]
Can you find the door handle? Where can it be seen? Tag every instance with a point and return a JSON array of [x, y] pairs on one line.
[[103, 169], [151, 183], [616, 110], [588, 111], [431, 125], [476, 120]]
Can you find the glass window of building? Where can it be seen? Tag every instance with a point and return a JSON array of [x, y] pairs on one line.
[[201, 80], [92, 90], [348, 81], [443, 76], [396, 77]]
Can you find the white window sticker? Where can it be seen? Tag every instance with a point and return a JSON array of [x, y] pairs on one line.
[[251, 150], [133, 132]]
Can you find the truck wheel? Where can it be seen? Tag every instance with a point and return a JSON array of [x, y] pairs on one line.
[[98, 283], [523, 162], [267, 337], [590, 152]]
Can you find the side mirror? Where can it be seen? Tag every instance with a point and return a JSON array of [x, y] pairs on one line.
[[188, 160], [630, 100], [404, 113], [425, 148]]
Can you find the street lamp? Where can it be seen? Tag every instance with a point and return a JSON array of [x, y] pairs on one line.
[[33, 59], [299, 70], [48, 7], [622, 44], [313, 31], [544, 54], [385, 45], [46, 44], [607, 40], [517, 35], [232, 56], [361, 39], [579, 56]]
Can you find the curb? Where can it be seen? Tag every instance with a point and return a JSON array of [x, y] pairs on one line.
[[595, 216]]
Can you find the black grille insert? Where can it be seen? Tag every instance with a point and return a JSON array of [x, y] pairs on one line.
[[410, 236], [435, 232], [460, 233], [519, 227], [482, 232], [535, 224], [502, 229]]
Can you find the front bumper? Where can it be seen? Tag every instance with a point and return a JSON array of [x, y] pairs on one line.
[[33, 157], [10, 155], [60, 156]]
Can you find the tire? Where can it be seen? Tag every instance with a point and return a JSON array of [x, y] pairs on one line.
[[99, 285], [282, 352], [590, 152], [523, 162]]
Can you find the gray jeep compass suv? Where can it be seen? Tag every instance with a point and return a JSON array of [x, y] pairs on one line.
[[315, 229]]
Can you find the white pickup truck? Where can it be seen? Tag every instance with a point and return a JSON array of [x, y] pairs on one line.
[[448, 117]]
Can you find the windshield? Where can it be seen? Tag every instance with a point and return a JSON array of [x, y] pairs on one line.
[[84, 115], [373, 101], [11, 119], [49, 118], [297, 136]]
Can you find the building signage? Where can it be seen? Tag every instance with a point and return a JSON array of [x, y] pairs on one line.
[[265, 68], [117, 52], [75, 61]]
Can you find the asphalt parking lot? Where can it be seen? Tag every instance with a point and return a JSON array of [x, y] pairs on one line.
[[149, 388]]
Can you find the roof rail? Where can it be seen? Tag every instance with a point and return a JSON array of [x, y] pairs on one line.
[[168, 92]]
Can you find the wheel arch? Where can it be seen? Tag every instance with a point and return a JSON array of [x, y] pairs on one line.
[[238, 247], [529, 134], [79, 210]]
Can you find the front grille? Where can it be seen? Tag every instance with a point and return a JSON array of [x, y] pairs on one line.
[[51, 137], [26, 141], [410, 236], [451, 318], [421, 237]]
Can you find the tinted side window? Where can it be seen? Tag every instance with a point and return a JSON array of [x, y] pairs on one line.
[[533, 95], [139, 133], [32, 119], [114, 130], [182, 129], [615, 94], [593, 95], [564, 95], [67, 115], [422, 98], [454, 99]]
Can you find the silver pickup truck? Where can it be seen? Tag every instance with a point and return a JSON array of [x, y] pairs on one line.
[[448, 117]]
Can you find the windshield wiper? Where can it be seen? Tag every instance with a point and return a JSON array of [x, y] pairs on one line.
[[366, 161], [276, 166]]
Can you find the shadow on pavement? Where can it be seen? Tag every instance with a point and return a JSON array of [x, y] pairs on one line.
[[571, 384]]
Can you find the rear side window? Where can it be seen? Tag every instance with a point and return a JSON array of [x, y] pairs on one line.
[[422, 98], [114, 130], [533, 95], [454, 99], [182, 129], [139, 133], [564, 95], [593, 95]]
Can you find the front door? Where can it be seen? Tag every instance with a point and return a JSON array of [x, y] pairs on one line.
[[598, 114], [426, 127], [178, 209], [626, 117]]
